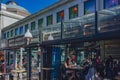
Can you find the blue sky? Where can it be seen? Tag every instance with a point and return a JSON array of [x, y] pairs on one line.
[[34, 5]]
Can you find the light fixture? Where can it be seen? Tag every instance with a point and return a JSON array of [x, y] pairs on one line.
[[28, 36], [39, 51], [50, 37]]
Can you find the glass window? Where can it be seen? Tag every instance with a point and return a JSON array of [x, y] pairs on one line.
[[89, 6], [26, 27], [11, 33], [40, 22], [49, 20], [8, 34], [32, 26], [60, 15], [16, 31], [21, 30], [73, 12], [4, 35], [110, 3]]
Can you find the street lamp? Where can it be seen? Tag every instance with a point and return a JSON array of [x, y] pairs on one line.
[[62, 17], [50, 37], [28, 36], [3, 45]]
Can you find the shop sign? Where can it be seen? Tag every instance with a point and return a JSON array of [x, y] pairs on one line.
[[16, 41]]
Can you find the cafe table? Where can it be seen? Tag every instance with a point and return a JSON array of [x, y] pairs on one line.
[[18, 72], [75, 69], [1, 75], [47, 69]]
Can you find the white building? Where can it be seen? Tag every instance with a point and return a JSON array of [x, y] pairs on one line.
[[10, 13]]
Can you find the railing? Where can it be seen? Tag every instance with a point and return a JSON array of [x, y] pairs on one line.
[[108, 20], [78, 27], [54, 30]]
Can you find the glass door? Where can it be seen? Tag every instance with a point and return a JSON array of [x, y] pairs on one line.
[[35, 64], [56, 62]]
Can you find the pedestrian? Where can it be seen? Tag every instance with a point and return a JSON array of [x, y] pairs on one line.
[[109, 67]]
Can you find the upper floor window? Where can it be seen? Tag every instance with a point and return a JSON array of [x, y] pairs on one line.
[[21, 30], [16, 31], [110, 3], [8, 34], [40, 22], [60, 16], [49, 20], [89, 6], [4, 35], [11, 32], [73, 12], [26, 27], [32, 26]]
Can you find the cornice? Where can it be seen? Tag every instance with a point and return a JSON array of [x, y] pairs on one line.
[[12, 15]]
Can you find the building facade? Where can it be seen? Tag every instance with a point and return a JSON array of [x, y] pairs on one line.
[[10, 13], [49, 19], [86, 27]]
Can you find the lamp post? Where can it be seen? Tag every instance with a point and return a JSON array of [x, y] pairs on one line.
[[28, 36], [96, 19], [3, 45], [39, 51], [62, 17]]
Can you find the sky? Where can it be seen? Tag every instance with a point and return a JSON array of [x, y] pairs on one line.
[[34, 5]]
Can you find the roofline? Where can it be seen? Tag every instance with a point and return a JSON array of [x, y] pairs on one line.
[[52, 6], [12, 15], [11, 1]]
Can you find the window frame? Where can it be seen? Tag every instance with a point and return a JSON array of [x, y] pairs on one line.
[[26, 27], [4, 35], [58, 14], [8, 34], [94, 7], [21, 27], [16, 31], [49, 22], [40, 22], [74, 15], [12, 33], [33, 26], [111, 6]]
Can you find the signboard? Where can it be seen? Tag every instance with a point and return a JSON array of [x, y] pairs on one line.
[[18, 41]]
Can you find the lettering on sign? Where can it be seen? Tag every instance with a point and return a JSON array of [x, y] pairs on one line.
[[16, 41]]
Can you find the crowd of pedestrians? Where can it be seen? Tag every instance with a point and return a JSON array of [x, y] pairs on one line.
[[108, 68], [95, 69]]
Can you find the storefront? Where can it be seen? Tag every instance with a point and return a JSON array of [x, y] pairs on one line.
[[17, 57], [79, 37], [56, 53]]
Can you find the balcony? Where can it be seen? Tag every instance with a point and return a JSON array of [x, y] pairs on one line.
[[80, 27]]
